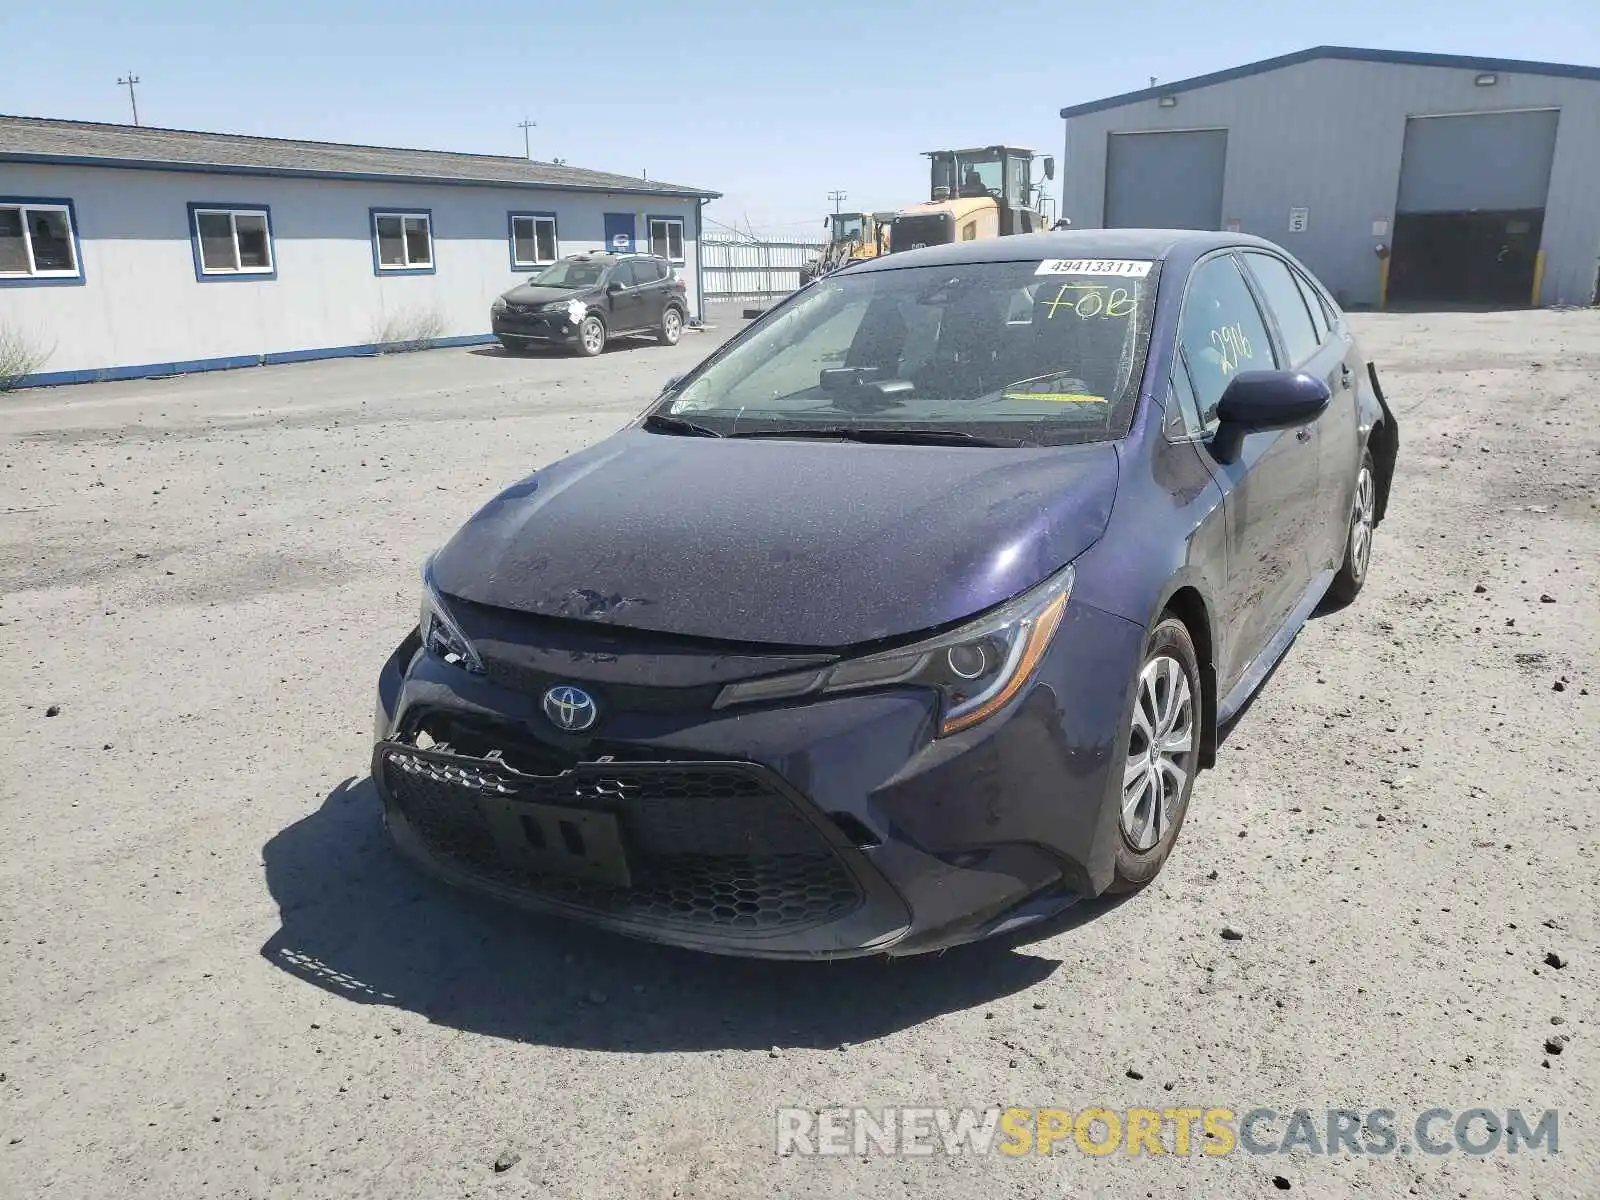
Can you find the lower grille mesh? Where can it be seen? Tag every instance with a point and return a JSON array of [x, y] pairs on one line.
[[709, 846]]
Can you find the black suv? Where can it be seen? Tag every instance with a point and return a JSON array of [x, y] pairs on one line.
[[584, 300]]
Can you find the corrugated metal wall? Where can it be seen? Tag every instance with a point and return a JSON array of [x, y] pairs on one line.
[[1328, 136], [747, 269]]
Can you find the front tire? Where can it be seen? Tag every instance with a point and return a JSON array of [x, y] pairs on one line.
[[1163, 755], [671, 327], [591, 336], [1358, 537]]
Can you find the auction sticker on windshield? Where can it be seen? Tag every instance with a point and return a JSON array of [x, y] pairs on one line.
[[1130, 268]]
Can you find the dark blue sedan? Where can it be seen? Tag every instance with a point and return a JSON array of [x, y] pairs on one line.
[[908, 616]]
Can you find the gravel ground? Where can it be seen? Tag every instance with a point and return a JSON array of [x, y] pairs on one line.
[[215, 979]]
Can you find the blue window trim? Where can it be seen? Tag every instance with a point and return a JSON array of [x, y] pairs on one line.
[[683, 223], [77, 280], [200, 273], [511, 239], [372, 233]]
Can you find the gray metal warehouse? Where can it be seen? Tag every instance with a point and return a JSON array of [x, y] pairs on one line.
[[1400, 178]]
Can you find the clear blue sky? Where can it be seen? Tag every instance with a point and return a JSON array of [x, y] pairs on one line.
[[771, 107]]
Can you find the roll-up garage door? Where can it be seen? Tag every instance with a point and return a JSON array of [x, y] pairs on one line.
[[1165, 180], [1470, 214], [1485, 162]]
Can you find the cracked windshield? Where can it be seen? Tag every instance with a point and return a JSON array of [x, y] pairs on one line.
[[1021, 353]]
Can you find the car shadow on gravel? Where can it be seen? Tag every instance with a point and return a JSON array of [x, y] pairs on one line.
[[359, 922]]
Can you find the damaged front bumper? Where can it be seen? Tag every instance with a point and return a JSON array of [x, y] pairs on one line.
[[832, 829]]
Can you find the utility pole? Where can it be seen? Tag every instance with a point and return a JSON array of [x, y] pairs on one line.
[[132, 99], [837, 197], [1152, 81], [527, 145]]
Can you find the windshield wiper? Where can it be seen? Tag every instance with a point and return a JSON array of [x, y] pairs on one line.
[[887, 435], [662, 423]]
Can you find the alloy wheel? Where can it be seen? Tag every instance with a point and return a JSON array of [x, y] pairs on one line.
[[672, 326], [1361, 522], [594, 336], [1160, 752]]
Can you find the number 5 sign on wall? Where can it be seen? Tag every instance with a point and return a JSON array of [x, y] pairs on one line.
[[1299, 218]]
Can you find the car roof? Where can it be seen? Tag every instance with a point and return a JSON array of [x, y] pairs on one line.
[[1157, 244], [609, 255]]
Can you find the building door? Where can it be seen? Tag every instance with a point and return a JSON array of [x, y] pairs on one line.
[[1470, 213], [1165, 180], [619, 233]]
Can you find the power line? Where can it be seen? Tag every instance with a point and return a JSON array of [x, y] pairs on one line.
[[527, 145], [132, 99], [836, 197]]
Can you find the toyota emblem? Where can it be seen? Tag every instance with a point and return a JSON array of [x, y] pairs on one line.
[[570, 709]]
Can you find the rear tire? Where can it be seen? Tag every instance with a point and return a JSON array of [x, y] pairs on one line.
[[1358, 536], [1162, 757], [671, 327], [591, 336]]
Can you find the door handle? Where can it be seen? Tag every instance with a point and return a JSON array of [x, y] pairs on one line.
[[1345, 374], [1303, 433]]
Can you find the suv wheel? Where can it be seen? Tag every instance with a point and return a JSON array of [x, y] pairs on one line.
[[671, 326], [591, 336]]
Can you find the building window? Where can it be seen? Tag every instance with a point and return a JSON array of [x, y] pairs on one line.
[[666, 238], [533, 240], [402, 242], [38, 242], [230, 242]]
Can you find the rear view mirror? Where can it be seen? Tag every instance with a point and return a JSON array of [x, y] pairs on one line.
[[1258, 401]]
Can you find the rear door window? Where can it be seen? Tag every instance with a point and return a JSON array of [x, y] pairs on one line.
[[1222, 333], [1288, 306], [1321, 310]]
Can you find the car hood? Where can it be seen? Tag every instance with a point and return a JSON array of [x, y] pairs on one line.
[[526, 293], [815, 544]]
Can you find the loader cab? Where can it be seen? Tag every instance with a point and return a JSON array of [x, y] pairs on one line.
[[847, 227], [1000, 173], [973, 194]]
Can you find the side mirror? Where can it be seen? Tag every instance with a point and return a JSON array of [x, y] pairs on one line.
[[826, 221], [1258, 401], [1049, 167], [614, 287]]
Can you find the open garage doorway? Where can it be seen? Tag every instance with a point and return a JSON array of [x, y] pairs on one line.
[[1472, 258], [1470, 213]]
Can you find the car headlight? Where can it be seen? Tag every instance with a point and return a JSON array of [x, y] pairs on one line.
[[976, 669], [576, 310], [499, 304], [441, 636]]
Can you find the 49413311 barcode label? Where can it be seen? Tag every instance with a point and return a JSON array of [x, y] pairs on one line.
[[1123, 268]]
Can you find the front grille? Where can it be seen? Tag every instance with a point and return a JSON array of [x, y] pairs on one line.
[[711, 847], [530, 681]]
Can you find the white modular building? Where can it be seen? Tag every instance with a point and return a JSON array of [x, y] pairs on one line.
[[128, 251]]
